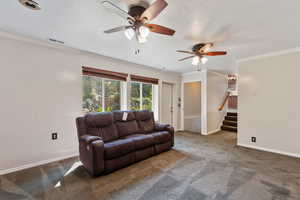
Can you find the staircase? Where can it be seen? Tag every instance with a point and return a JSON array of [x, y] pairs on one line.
[[230, 122]]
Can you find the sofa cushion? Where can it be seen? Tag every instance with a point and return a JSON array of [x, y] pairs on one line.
[[141, 141], [143, 115], [101, 124], [118, 116], [145, 120], [161, 137], [126, 126], [147, 125], [109, 133], [118, 148], [99, 119]]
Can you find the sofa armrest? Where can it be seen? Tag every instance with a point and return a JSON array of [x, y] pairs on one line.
[[87, 139], [91, 150], [165, 127], [161, 127]]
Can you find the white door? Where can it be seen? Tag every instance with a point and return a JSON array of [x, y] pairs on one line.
[[167, 103]]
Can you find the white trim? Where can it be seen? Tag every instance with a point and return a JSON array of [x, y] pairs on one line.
[[212, 132], [124, 104], [192, 117], [271, 54], [204, 112], [156, 101], [173, 99], [217, 73], [190, 73], [182, 106], [35, 164], [269, 150]]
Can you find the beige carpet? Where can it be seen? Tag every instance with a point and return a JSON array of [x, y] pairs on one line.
[[198, 168]]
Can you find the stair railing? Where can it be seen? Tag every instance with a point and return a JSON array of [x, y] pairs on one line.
[[224, 101]]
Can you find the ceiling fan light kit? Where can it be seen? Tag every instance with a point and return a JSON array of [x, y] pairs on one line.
[[138, 18], [199, 51], [144, 31], [204, 60], [195, 60], [129, 33]]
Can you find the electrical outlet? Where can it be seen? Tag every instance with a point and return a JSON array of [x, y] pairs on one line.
[[54, 136], [253, 139]]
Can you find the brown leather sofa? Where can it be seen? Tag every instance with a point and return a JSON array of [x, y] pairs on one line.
[[107, 142]]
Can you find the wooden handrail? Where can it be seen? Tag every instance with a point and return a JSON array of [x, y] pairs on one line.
[[224, 102]]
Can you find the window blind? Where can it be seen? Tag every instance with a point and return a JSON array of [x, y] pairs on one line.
[[144, 79], [89, 71]]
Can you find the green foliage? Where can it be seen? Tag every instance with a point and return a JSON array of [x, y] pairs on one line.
[[92, 94], [146, 96], [93, 97]]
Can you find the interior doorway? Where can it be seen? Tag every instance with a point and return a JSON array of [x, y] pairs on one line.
[[192, 106], [167, 107]]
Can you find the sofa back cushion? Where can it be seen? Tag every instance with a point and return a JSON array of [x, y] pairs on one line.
[[145, 120], [126, 125], [101, 124]]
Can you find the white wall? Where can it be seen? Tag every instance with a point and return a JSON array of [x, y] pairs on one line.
[[268, 102], [192, 106], [217, 85], [41, 92], [213, 88], [190, 78]]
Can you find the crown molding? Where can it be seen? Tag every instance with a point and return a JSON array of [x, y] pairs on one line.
[[271, 54], [194, 72]]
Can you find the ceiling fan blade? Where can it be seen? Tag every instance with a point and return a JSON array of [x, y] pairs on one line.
[[186, 58], [189, 52], [216, 53], [117, 29], [116, 10], [154, 10], [160, 29]]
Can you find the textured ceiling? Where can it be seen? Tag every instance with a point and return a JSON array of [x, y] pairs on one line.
[[243, 28]]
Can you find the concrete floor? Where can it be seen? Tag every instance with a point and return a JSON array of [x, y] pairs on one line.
[[198, 168]]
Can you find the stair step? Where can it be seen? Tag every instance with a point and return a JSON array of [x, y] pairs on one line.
[[229, 128], [231, 118], [231, 114], [230, 123]]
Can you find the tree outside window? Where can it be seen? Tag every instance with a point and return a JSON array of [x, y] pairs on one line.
[[135, 100], [112, 95], [141, 96], [147, 96], [101, 94]]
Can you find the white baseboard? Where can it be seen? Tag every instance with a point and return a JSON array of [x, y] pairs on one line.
[[269, 150], [212, 132], [35, 164]]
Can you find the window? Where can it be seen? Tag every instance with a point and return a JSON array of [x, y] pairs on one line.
[[101, 94], [105, 90], [135, 100], [141, 96], [112, 91]]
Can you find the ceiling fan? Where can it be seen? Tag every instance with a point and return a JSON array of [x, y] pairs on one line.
[[138, 18], [199, 51]]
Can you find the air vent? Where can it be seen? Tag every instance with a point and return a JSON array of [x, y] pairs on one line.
[[30, 4], [56, 41]]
